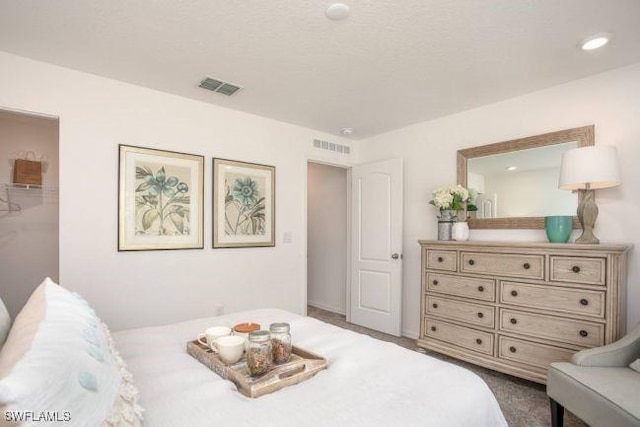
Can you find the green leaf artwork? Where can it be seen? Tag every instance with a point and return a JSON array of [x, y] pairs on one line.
[[162, 201], [244, 211]]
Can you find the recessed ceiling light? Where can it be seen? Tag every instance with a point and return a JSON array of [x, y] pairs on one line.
[[337, 11], [346, 131], [595, 41], [512, 168]]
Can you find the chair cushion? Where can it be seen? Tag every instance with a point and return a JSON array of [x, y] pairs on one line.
[[599, 396]]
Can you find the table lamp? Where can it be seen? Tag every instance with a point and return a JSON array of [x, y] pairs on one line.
[[586, 169]]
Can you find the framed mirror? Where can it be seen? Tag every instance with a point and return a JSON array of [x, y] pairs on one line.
[[517, 180]]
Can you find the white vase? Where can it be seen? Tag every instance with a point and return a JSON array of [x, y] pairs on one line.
[[460, 231]]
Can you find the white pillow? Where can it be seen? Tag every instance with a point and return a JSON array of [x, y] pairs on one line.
[[70, 368], [635, 365], [5, 323]]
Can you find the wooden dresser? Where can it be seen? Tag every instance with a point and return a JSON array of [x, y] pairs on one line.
[[517, 307]]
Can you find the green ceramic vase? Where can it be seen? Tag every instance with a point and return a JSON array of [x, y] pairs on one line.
[[558, 228]]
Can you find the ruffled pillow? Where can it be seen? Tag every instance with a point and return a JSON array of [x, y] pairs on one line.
[[126, 411], [60, 360]]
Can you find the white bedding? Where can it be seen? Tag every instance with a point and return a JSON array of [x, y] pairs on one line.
[[368, 382]]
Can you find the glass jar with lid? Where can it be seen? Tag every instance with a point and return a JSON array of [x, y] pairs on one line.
[[259, 353], [281, 342]]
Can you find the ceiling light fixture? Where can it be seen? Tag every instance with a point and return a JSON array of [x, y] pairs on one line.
[[595, 41], [337, 11], [512, 168], [346, 131]]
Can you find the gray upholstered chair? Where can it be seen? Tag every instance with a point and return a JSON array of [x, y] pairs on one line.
[[598, 386]]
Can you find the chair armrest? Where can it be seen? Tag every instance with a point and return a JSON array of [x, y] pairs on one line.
[[616, 354]]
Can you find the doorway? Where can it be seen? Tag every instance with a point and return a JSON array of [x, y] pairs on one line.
[[354, 242], [327, 237], [29, 225]]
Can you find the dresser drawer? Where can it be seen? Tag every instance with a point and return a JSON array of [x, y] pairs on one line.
[[468, 338], [514, 265], [564, 300], [476, 314], [580, 332], [578, 270], [470, 287], [442, 260], [540, 355]]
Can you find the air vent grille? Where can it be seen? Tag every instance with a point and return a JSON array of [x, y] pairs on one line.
[[219, 86], [326, 145]]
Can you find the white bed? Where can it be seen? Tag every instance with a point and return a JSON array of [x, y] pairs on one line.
[[368, 382]]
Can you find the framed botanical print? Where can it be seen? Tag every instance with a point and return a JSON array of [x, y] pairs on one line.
[[160, 200], [243, 204]]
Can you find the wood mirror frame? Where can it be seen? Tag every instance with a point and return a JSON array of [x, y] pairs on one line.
[[583, 135]]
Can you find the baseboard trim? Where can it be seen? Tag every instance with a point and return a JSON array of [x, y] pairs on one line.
[[326, 307], [410, 334]]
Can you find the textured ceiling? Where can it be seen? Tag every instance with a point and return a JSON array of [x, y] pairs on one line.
[[390, 64]]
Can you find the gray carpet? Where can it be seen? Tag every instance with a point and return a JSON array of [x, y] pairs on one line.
[[523, 403]]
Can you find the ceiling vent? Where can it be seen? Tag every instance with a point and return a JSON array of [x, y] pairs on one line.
[[219, 86], [326, 145]]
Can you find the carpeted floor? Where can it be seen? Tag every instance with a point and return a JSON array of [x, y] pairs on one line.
[[523, 403]]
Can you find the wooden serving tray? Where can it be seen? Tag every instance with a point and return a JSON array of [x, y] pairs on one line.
[[302, 366]]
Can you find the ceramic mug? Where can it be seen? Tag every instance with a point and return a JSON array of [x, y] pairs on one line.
[[212, 334], [229, 348]]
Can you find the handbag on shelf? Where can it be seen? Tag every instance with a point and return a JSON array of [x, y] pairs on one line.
[[27, 171]]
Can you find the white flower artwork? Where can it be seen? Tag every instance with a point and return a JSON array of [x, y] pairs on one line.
[[243, 204]]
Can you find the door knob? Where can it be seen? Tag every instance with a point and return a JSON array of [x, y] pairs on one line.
[[395, 256]]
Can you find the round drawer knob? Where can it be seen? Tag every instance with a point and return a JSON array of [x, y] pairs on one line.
[[471, 262], [440, 259], [575, 269], [584, 333], [433, 328], [480, 314], [584, 301], [435, 282], [481, 288], [513, 320], [512, 349], [478, 341], [527, 266], [514, 293], [434, 305]]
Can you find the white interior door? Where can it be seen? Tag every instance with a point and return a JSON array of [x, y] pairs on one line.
[[376, 254]]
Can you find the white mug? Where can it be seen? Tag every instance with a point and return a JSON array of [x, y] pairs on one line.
[[229, 348], [212, 334]]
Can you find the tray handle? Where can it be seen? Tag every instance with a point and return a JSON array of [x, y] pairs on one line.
[[294, 370]]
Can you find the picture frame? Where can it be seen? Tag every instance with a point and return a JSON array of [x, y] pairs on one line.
[[160, 199], [243, 204]]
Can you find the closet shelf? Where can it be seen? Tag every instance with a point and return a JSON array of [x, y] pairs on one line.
[[6, 190], [26, 186]]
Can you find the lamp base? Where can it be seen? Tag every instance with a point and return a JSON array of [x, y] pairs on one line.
[[587, 214]]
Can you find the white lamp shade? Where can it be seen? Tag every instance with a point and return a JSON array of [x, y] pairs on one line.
[[595, 165]]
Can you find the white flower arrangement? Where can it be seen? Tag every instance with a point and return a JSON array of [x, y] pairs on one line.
[[452, 197]]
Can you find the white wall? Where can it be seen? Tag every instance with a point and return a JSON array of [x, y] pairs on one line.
[[327, 237], [130, 289], [29, 238], [610, 100], [143, 288]]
